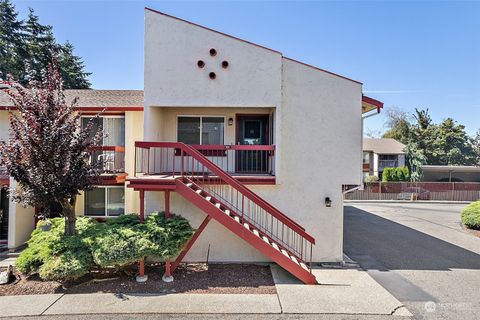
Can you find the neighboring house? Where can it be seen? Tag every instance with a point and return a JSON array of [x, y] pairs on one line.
[[122, 120], [431, 173], [379, 154], [252, 147]]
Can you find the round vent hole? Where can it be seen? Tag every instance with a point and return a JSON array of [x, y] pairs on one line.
[[212, 75], [213, 52], [200, 63], [224, 64]]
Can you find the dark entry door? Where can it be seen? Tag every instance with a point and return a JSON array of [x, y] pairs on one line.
[[252, 130], [3, 214]]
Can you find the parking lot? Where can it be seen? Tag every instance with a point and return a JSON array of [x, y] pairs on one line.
[[420, 253]]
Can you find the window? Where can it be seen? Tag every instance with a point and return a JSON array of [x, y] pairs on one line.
[[114, 127], [200, 130], [105, 202]]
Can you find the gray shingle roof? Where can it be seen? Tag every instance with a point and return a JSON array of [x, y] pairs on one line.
[[95, 98], [383, 146]]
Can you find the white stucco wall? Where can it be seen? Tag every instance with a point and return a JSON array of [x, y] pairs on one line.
[[21, 222], [172, 77], [317, 118]]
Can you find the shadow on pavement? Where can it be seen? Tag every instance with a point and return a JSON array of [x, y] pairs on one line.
[[381, 244]]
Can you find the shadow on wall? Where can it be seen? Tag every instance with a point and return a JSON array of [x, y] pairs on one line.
[[381, 244]]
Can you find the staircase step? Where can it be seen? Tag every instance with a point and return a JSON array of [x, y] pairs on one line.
[[255, 232], [227, 212], [275, 246], [246, 226], [304, 266], [218, 205], [199, 191], [285, 253], [237, 219], [189, 184], [266, 239], [208, 198], [294, 259]]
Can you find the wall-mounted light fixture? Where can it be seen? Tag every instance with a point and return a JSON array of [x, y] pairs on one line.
[[230, 121], [328, 202]]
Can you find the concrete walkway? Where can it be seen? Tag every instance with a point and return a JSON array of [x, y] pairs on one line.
[[344, 291]]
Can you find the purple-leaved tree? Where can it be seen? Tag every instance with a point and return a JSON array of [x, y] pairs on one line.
[[48, 151]]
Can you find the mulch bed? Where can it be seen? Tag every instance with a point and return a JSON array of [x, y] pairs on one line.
[[189, 278], [472, 231]]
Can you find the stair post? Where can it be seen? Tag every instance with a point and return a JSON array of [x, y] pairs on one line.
[[167, 276], [142, 277]]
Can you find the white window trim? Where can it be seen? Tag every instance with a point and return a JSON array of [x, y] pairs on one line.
[[105, 214], [201, 122], [101, 117]]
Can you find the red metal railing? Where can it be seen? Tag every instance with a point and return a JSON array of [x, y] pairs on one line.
[[113, 158], [181, 160]]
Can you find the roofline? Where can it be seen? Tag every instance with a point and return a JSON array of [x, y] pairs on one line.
[[320, 69], [92, 108], [209, 29], [374, 102], [246, 41]]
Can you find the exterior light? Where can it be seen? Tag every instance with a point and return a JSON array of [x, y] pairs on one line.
[[328, 202], [230, 121]]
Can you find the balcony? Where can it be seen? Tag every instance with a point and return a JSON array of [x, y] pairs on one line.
[[254, 164], [112, 156]]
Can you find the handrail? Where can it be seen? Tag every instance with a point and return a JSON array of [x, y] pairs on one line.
[[230, 180]]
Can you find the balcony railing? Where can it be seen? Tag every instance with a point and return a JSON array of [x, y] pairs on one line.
[[112, 156], [234, 159]]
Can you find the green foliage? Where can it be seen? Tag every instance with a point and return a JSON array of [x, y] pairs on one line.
[[395, 174], [370, 179], [172, 234], [118, 242], [27, 46], [445, 143], [471, 215]]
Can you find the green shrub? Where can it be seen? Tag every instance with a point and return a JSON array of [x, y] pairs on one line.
[[54, 256], [395, 174], [471, 215], [370, 179], [168, 236], [118, 242]]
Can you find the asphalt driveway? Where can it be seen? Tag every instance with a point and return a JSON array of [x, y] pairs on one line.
[[420, 254]]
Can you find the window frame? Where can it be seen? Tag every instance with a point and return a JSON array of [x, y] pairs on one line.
[[113, 116], [201, 124], [105, 214]]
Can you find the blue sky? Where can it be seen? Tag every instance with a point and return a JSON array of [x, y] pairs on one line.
[[407, 54]]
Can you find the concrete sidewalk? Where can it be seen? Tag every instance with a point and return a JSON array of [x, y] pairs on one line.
[[343, 291]]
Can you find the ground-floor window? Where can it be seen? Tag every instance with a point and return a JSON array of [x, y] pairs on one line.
[[108, 201], [200, 130]]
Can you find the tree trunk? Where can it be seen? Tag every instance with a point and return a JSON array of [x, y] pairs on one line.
[[69, 212]]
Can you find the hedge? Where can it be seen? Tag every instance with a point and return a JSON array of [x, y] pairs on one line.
[[471, 215], [395, 174], [118, 242]]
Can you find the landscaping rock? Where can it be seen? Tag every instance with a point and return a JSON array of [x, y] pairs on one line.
[[6, 275]]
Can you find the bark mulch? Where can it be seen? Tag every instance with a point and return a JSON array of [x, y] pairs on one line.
[[189, 278]]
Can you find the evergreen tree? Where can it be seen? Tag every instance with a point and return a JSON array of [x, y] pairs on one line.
[[11, 42], [27, 47], [71, 68]]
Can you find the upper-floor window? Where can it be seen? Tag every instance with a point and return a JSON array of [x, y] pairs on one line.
[[113, 126], [200, 129]]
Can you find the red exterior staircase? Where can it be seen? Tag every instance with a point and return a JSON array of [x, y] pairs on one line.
[[232, 204]]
